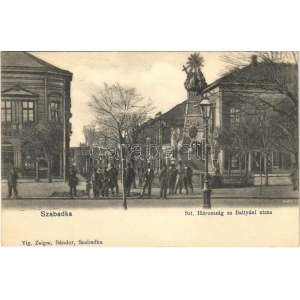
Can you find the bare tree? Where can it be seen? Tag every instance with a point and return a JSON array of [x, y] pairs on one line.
[[43, 140], [94, 135], [275, 75], [257, 127], [119, 112]]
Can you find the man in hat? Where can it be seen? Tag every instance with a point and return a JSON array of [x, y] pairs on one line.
[[179, 177], [163, 178], [12, 180], [73, 182], [96, 182], [106, 183], [113, 178], [187, 178], [129, 177], [148, 177], [172, 173]]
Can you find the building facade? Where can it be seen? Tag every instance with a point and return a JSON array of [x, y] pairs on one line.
[[235, 96], [229, 96], [163, 133], [33, 92]]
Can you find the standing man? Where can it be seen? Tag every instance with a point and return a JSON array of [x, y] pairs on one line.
[[179, 177], [95, 183], [147, 180], [172, 178], [73, 182], [106, 183], [129, 177], [163, 178], [12, 180], [187, 178], [113, 177], [99, 179]]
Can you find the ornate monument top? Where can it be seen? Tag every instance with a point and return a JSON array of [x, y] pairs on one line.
[[195, 81]]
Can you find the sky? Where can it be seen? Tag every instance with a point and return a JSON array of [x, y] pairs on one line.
[[155, 75]]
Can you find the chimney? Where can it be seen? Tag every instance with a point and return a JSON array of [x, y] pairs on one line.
[[254, 61], [158, 115]]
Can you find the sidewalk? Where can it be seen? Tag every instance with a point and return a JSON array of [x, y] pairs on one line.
[[44, 190]]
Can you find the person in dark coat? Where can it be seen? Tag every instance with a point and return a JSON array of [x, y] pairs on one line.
[[73, 182], [113, 178], [88, 187], [148, 177], [172, 178], [96, 182], [106, 182], [12, 181], [187, 178], [179, 177], [129, 177], [163, 178], [217, 182]]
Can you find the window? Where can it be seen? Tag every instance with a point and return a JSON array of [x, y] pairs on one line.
[[54, 112], [6, 111], [28, 111], [234, 115]]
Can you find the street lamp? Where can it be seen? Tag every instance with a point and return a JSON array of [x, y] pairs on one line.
[[205, 106]]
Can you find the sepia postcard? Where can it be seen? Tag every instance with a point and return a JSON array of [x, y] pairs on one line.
[[149, 149]]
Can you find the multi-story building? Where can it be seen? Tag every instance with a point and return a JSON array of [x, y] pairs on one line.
[[33, 92], [233, 97]]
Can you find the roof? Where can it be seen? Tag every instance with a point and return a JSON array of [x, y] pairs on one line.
[[24, 61], [258, 73], [175, 115]]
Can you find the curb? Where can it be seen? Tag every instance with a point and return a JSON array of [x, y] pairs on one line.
[[152, 198]]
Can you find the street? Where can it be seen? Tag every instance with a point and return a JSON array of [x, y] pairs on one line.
[[155, 202], [40, 195]]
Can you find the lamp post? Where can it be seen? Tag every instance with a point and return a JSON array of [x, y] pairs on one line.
[[205, 106], [123, 164]]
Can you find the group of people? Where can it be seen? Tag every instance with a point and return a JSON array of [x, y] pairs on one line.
[[172, 178], [175, 179], [104, 180]]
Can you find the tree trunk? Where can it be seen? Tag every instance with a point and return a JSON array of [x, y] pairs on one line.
[[133, 166], [240, 164], [229, 167], [37, 171], [260, 171], [123, 178], [50, 169], [247, 164], [266, 169]]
